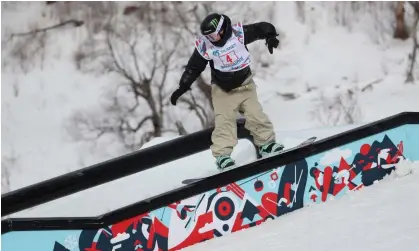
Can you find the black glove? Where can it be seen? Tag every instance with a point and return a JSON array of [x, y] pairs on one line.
[[176, 95], [272, 42]]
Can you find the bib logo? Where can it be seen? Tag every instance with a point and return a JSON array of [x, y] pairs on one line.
[[231, 47], [217, 53]]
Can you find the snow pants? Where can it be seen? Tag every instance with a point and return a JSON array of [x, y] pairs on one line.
[[226, 107]]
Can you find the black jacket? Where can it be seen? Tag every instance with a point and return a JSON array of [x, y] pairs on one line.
[[225, 80]]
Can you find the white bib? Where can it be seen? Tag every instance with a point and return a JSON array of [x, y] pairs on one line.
[[233, 56]]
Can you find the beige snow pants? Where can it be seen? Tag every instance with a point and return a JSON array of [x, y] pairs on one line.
[[226, 107]]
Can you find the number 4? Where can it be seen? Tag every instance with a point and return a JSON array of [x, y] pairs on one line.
[[228, 58]]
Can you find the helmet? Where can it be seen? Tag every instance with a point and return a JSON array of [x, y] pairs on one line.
[[212, 25]]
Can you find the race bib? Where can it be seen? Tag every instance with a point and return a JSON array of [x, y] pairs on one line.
[[233, 56]]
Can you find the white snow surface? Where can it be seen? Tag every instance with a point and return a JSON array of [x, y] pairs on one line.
[[381, 217], [317, 53]]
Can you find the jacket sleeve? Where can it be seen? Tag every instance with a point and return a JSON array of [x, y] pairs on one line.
[[196, 65], [257, 31]]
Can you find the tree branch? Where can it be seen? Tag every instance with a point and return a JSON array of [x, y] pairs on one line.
[[183, 20], [119, 69], [410, 78], [195, 107], [141, 123], [76, 23]]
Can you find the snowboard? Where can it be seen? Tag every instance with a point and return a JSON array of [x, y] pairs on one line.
[[304, 143]]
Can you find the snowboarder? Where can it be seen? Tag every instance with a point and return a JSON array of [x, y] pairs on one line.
[[233, 90]]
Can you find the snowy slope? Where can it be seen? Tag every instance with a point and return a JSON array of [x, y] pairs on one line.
[[317, 52], [380, 217]]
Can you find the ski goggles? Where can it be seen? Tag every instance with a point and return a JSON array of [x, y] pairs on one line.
[[213, 36]]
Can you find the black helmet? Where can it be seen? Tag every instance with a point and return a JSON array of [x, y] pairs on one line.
[[210, 23], [213, 24]]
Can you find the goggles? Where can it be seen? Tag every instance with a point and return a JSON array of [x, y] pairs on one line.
[[213, 36]]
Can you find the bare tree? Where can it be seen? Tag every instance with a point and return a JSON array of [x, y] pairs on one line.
[[138, 105], [144, 55], [27, 49], [8, 163], [352, 15], [5, 178], [141, 45], [400, 30], [341, 108], [137, 55], [94, 13], [414, 34], [301, 12]]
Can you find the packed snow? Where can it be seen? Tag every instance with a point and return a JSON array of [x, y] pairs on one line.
[[326, 52], [318, 60], [380, 217], [316, 54]]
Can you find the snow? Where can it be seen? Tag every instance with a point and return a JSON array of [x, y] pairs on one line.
[[317, 54], [318, 61], [379, 217]]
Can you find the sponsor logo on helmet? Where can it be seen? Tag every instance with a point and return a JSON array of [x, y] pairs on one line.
[[214, 23]]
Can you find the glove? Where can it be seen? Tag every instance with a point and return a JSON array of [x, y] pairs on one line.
[[272, 42], [176, 95]]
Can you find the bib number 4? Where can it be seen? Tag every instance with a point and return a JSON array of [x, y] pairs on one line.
[[229, 58]]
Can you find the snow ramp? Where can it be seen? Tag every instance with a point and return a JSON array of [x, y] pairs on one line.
[[222, 204]]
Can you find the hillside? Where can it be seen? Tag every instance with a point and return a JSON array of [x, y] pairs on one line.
[[332, 61]]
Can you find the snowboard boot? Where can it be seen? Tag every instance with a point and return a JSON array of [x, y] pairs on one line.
[[269, 149], [224, 163]]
